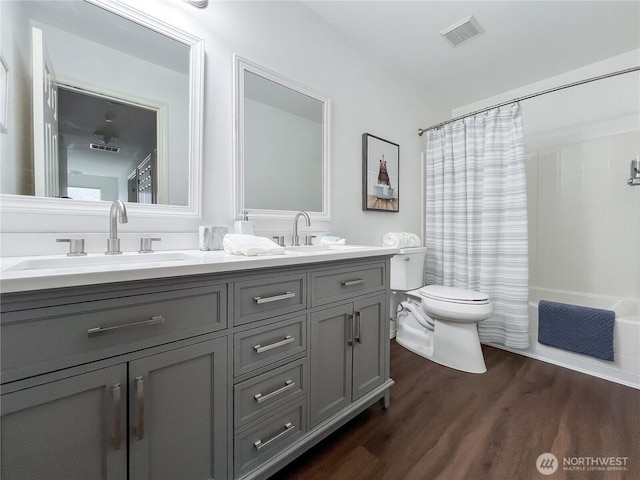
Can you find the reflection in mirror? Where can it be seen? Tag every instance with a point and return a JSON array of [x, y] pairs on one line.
[[106, 105], [282, 160], [106, 147]]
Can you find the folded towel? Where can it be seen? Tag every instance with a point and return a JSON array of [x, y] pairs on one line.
[[250, 245], [401, 240], [332, 240], [578, 329]]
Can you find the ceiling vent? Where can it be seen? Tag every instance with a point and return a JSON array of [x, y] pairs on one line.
[[104, 148], [464, 30]]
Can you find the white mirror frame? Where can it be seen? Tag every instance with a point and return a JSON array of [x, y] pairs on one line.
[[243, 65], [43, 205]]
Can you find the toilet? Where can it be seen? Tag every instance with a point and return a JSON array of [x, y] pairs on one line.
[[437, 322]]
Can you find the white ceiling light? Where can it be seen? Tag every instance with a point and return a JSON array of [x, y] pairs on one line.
[[464, 30]]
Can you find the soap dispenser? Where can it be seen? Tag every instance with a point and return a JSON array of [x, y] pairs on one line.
[[244, 226]]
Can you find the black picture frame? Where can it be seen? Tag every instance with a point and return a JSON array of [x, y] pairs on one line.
[[380, 174]]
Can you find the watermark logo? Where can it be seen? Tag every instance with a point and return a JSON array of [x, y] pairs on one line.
[[547, 463]]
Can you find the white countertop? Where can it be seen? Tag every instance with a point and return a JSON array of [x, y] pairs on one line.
[[19, 274]]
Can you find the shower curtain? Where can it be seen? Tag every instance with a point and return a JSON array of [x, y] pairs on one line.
[[476, 218]]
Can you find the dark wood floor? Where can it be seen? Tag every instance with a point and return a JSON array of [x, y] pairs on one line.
[[447, 425]]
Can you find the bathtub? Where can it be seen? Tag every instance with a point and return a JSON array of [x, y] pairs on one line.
[[624, 369]]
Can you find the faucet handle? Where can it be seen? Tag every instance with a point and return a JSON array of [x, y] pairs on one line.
[[279, 239], [146, 244], [76, 246], [309, 239]]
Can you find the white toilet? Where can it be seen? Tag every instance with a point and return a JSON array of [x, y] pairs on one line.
[[436, 322]]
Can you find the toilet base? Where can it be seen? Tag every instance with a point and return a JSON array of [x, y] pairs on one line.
[[454, 345], [457, 345]]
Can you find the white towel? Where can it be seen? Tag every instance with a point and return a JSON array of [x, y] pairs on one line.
[[250, 245], [401, 240], [332, 240]]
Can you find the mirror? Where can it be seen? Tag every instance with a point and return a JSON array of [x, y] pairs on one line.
[[104, 103], [282, 145]]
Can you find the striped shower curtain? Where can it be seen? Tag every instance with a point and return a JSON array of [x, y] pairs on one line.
[[476, 218]]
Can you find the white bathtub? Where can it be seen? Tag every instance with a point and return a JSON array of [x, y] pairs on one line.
[[624, 369]]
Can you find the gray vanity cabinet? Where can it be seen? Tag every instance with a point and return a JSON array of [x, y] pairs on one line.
[[73, 428], [76, 427], [177, 413], [213, 376], [115, 382], [348, 348]]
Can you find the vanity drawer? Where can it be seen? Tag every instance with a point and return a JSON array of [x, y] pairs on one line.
[[263, 393], [258, 444], [268, 297], [44, 339], [261, 346], [339, 284]]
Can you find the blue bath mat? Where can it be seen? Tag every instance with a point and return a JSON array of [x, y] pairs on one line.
[[578, 329]]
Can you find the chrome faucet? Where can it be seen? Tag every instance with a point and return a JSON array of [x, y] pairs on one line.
[[295, 239], [117, 213]]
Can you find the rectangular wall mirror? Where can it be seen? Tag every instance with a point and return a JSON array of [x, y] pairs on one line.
[[281, 145], [105, 104]]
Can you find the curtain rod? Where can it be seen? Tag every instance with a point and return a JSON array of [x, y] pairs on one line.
[[527, 97]]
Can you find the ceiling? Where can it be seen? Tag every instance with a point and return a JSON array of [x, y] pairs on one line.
[[523, 42]]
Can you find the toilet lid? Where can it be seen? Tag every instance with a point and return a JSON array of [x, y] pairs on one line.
[[454, 295]]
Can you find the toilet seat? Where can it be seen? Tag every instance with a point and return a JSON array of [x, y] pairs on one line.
[[454, 295]]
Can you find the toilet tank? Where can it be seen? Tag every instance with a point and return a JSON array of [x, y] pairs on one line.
[[407, 269]]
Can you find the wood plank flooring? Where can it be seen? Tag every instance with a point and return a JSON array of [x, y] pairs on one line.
[[448, 425]]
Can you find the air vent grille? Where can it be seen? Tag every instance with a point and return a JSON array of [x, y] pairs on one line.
[[104, 148], [464, 30]]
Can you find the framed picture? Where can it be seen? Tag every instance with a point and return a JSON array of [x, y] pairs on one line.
[[380, 174], [4, 95]]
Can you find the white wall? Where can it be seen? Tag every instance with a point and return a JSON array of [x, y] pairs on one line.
[[584, 221], [288, 38]]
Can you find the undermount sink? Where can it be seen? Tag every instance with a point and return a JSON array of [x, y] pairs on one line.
[[307, 248], [99, 260]]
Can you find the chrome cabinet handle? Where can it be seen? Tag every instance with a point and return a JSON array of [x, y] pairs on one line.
[[139, 428], [274, 298], [287, 428], [348, 283], [116, 439], [288, 339], [92, 332], [350, 329], [288, 385], [357, 328]]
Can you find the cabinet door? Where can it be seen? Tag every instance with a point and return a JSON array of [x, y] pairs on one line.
[[72, 428], [369, 346], [330, 362], [178, 413]]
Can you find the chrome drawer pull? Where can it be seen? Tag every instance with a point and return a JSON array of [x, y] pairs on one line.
[[287, 428], [116, 439], [288, 385], [139, 428], [275, 298], [288, 339], [92, 332], [348, 283]]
